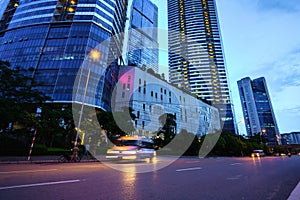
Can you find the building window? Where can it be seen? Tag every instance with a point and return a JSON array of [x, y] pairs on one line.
[[151, 93], [155, 95], [138, 114], [123, 94], [140, 81], [139, 89], [144, 106], [144, 90]]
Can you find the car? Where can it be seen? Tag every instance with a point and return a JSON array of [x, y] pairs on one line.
[[258, 153], [132, 147]]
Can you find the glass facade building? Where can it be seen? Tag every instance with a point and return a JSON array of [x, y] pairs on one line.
[[54, 38], [196, 60], [257, 109], [142, 41]]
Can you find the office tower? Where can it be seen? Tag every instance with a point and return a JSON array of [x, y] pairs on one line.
[[196, 60], [7, 10], [54, 38], [142, 41], [257, 109]]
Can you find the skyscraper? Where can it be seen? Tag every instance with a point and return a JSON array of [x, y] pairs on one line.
[[53, 37], [142, 41], [196, 60], [257, 109]]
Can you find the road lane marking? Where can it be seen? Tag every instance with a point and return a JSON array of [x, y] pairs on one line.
[[188, 169], [237, 177], [28, 171], [295, 195], [194, 161], [38, 184], [238, 163]]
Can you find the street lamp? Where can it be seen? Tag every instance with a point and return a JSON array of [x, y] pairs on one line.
[[94, 55]]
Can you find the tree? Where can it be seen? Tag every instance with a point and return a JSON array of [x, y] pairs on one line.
[[168, 130], [17, 98], [55, 126], [118, 123]]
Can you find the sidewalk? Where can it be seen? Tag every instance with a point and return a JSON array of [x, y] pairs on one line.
[[35, 159]]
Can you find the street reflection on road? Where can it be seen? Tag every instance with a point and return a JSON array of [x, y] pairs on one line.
[[256, 160], [128, 183], [138, 166]]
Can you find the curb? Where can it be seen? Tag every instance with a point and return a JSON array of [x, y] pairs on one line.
[[42, 161]]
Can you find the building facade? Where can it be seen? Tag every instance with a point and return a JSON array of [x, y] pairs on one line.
[[257, 109], [54, 38], [196, 60], [290, 138], [142, 37], [151, 97]]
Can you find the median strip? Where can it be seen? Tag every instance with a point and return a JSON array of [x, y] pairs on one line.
[[38, 184], [188, 169]]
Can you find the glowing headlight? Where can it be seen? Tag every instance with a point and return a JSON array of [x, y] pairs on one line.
[[112, 151], [128, 152]]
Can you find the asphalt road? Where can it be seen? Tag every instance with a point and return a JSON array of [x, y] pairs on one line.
[[186, 178]]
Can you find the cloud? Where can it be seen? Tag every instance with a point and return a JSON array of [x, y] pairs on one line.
[[281, 73]]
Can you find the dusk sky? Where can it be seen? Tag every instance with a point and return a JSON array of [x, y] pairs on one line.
[[260, 38]]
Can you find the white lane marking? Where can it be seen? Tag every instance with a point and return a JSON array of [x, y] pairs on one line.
[[188, 169], [237, 177], [28, 171], [195, 161], [236, 163], [38, 184], [295, 195]]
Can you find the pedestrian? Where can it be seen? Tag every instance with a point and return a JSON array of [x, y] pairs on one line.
[[75, 153], [87, 150]]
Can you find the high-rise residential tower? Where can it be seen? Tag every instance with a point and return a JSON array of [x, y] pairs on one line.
[[54, 38], [257, 109], [196, 60], [142, 41]]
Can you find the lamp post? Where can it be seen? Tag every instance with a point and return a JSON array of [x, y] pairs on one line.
[[94, 55], [263, 131]]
